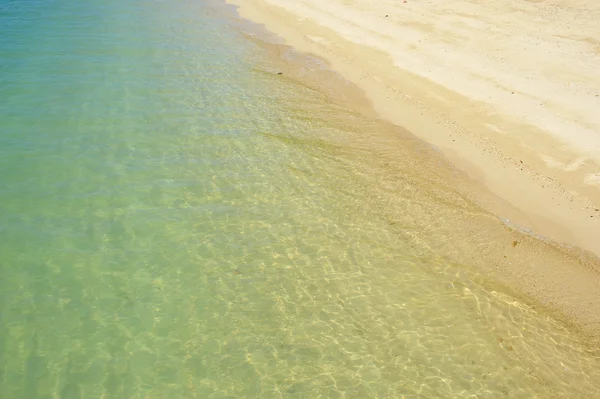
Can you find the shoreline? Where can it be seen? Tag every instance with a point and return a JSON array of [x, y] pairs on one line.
[[475, 138], [547, 184]]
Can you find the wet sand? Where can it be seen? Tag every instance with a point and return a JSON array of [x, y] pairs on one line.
[[506, 91]]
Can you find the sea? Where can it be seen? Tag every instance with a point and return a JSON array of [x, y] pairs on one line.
[[191, 209]]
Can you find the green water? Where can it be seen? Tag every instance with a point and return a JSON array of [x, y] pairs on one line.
[[179, 221]]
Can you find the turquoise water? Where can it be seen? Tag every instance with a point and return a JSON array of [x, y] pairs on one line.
[[177, 220]]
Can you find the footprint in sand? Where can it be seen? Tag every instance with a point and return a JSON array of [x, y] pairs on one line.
[[567, 167], [592, 179]]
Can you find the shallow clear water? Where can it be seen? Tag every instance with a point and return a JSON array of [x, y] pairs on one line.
[[179, 221]]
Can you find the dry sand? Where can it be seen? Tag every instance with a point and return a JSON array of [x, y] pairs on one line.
[[508, 90]]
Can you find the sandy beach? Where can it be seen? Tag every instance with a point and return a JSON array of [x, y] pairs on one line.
[[199, 200], [508, 91]]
